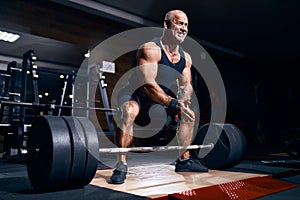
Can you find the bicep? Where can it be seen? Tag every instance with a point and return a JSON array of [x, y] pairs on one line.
[[147, 71], [147, 58]]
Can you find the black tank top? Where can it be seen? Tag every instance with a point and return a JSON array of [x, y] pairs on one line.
[[167, 73], [179, 66]]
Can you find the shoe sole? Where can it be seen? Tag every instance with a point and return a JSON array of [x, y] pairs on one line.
[[190, 171], [111, 182]]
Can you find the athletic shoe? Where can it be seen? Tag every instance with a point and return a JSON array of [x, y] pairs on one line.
[[119, 174], [190, 165]]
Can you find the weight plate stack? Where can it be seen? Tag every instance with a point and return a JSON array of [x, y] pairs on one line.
[[49, 153], [63, 152], [229, 145]]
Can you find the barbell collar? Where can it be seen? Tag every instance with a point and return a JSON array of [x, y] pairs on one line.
[[155, 148]]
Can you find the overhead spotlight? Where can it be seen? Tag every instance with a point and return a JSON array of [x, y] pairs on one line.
[[71, 96], [40, 96], [46, 94], [88, 54], [61, 76], [8, 37]]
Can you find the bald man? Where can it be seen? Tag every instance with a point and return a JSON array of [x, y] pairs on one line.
[[165, 51]]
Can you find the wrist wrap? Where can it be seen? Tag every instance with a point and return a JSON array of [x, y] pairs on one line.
[[173, 104]]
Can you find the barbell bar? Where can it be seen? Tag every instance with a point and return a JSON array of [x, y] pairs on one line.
[[148, 149], [153, 148]]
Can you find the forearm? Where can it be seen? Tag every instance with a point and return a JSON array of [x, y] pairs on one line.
[[159, 96], [155, 92]]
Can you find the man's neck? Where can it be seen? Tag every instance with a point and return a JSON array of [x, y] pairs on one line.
[[169, 46]]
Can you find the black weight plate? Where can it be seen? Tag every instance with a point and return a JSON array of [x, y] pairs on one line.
[[234, 147], [217, 157], [242, 142], [78, 157], [49, 153], [229, 145], [92, 150]]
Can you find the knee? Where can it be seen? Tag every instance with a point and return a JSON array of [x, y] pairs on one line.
[[129, 110]]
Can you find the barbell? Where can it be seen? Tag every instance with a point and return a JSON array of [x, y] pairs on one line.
[[63, 151], [154, 148]]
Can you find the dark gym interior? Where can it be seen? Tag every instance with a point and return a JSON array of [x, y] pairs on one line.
[[254, 45]]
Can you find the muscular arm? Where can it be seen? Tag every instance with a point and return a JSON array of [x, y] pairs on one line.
[[186, 88], [148, 57]]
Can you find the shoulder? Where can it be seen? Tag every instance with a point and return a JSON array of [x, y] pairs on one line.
[[150, 46], [149, 50]]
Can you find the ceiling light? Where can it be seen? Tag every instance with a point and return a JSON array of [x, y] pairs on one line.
[[88, 54], [8, 37]]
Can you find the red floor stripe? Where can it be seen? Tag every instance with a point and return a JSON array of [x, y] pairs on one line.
[[242, 189]]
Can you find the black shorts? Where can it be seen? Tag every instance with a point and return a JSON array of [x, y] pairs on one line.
[[144, 102]]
